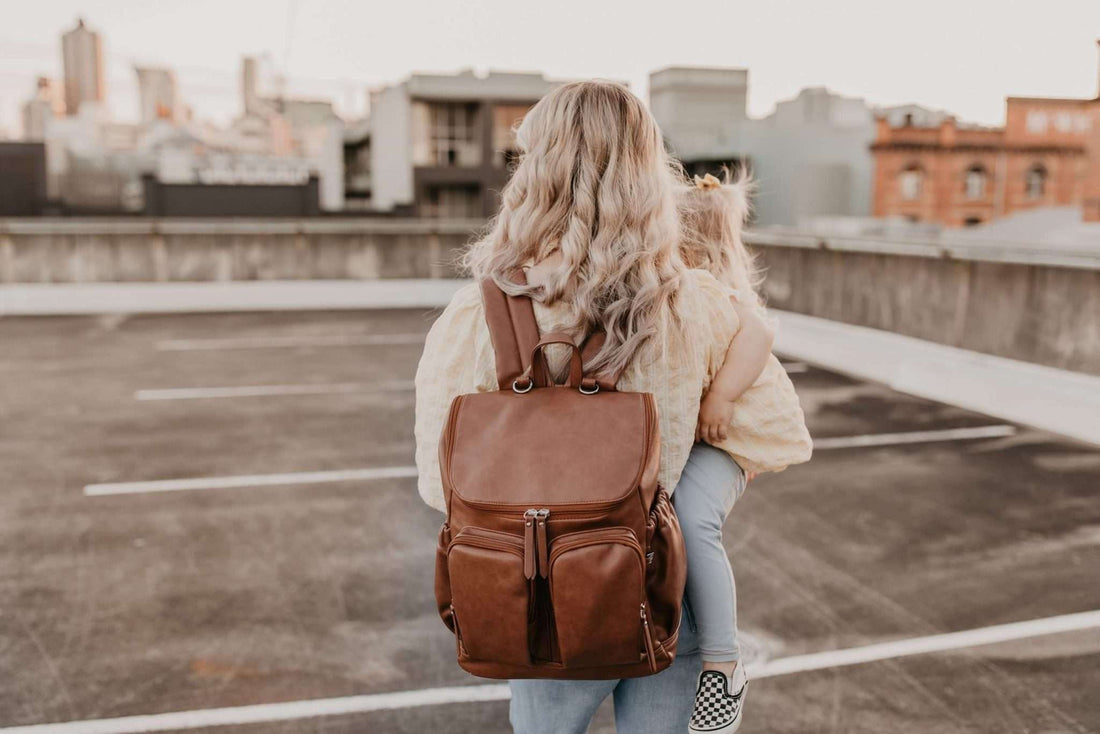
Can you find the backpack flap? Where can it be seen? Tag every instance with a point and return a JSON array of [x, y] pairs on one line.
[[552, 445]]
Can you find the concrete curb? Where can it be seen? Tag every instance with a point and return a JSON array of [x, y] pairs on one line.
[[1052, 399], [57, 299]]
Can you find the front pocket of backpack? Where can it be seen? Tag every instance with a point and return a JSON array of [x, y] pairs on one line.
[[489, 594], [597, 591]]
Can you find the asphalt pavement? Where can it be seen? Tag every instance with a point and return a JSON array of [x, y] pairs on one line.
[[289, 571]]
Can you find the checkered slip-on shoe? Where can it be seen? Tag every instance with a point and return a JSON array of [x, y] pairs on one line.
[[719, 702]]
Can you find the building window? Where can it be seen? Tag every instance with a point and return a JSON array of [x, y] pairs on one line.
[[445, 134], [1035, 182], [506, 118], [909, 182], [976, 178], [972, 221]]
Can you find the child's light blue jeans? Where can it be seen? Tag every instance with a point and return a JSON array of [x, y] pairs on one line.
[[710, 485]]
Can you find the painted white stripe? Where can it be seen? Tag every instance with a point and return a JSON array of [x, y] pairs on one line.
[[932, 643], [794, 368], [894, 439], [388, 472], [254, 391], [250, 480], [296, 710], [289, 711], [289, 342]]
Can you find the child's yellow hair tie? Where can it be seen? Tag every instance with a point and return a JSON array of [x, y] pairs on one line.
[[708, 182]]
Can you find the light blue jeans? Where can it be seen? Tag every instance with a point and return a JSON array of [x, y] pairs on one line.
[[662, 703], [709, 486], [654, 704]]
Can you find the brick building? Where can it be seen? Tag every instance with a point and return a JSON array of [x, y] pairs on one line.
[[1047, 154]]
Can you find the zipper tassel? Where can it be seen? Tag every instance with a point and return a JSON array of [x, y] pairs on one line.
[[458, 633], [544, 563], [529, 544], [648, 641]]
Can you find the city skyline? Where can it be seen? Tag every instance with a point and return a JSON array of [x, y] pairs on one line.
[[1047, 53]]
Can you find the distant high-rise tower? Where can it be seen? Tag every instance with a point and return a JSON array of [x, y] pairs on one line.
[[250, 82], [159, 95], [47, 103], [82, 55]]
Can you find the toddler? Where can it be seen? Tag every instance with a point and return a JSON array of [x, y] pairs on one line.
[[750, 390]]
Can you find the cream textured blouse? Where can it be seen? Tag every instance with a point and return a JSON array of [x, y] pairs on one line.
[[768, 431]]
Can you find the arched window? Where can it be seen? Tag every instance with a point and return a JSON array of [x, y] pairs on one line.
[[1035, 181], [976, 178], [909, 183]]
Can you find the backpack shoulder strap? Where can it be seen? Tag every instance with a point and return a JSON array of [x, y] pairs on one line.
[[592, 347], [512, 328]]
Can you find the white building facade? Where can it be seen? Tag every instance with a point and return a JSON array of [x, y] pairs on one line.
[[440, 145], [158, 94], [810, 157]]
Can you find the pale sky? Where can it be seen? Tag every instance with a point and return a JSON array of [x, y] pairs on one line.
[[964, 56]]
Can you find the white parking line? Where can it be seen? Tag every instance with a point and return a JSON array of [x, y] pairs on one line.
[[308, 709], [253, 391], [932, 643], [893, 439], [250, 480], [390, 472], [289, 342]]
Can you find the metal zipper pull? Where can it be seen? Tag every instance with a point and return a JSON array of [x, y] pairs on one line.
[[529, 544], [647, 638], [544, 554]]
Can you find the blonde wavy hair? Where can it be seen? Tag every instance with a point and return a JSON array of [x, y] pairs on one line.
[[594, 183], [713, 213]]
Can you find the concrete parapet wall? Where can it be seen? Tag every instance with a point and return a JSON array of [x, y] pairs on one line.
[[1035, 305], [96, 251]]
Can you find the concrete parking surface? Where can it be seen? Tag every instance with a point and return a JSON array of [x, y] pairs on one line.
[[293, 576]]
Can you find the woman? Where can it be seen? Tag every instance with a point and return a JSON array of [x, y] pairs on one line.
[[590, 212]]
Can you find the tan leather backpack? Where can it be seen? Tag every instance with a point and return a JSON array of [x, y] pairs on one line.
[[560, 556]]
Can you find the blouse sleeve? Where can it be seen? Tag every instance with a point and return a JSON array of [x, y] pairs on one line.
[[768, 431], [720, 321], [457, 359]]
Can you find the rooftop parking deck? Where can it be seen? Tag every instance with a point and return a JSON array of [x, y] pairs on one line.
[[283, 584]]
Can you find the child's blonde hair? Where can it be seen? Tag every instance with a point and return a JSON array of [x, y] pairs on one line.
[[713, 213]]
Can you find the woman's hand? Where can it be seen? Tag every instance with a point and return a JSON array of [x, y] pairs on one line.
[[715, 414]]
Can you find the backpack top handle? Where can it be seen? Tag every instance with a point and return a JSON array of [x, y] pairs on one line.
[[515, 336], [540, 367]]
